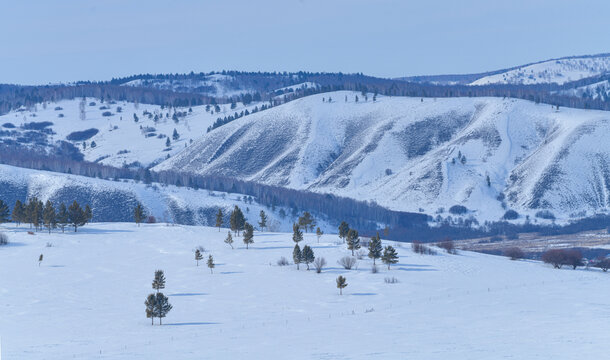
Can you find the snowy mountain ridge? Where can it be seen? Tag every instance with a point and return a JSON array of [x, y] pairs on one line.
[[412, 154]]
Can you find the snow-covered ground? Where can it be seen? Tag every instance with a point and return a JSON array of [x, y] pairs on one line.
[[120, 139], [86, 300], [557, 71]]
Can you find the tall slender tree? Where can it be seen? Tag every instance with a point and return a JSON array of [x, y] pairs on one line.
[[18, 214], [211, 264], [150, 307], [49, 216], [198, 256], [248, 234], [297, 234], [76, 215], [297, 256], [162, 306], [263, 221], [343, 230], [305, 220], [319, 233], [138, 214], [219, 219], [375, 248], [341, 283], [62, 217], [353, 241], [229, 239], [159, 281], [237, 220], [4, 212]]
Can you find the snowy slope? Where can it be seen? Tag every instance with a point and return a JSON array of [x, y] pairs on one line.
[[86, 300], [120, 139], [214, 84], [406, 154], [599, 90], [115, 200], [557, 71]]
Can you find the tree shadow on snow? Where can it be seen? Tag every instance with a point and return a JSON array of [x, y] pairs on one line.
[[412, 269], [191, 324], [231, 272]]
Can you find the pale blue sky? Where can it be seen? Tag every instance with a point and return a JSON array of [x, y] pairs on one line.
[[66, 40]]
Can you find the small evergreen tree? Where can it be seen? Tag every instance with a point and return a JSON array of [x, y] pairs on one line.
[[375, 249], [175, 135], [389, 256], [167, 143], [18, 214], [4, 212], [343, 230], [307, 255], [138, 214], [219, 220], [248, 234], [49, 216], [62, 217], [263, 222], [297, 255], [237, 220], [319, 233], [198, 256], [353, 241], [159, 281], [76, 215], [341, 283], [306, 220], [150, 307], [162, 306], [297, 234], [229, 239], [211, 264]]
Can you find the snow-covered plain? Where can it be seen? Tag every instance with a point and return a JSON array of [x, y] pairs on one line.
[[86, 300]]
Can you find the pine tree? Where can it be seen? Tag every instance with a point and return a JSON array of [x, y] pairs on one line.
[[229, 239], [162, 306], [76, 215], [343, 230], [263, 222], [297, 255], [375, 248], [18, 214], [49, 216], [211, 264], [168, 143], [306, 220], [341, 283], [353, 241], [4, 212], [219, 219], [319, 233], [138, 214], [88, 214], [389, 256], [150, 306], [159, 281], [297, 234], [198, 256], [62, 217], [248, 234], [175, 135], [237, 220], [307, 255]]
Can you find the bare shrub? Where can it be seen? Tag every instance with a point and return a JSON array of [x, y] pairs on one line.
[[514, 253], [319, 263], [3, 239], [420, 248], [560, 257], [283, 262], [360, 254], [151, 220], [347, 262], [391, 280], [49, 244], [448, 246], [603, 264]]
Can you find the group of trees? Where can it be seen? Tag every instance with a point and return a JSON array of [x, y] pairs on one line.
[[39, 214], [210, 262], [157, 304], [299, 256], [560, 257]]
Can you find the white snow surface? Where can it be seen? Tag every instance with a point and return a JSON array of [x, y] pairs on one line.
[[404, 153], [557, 71], [86, 300]]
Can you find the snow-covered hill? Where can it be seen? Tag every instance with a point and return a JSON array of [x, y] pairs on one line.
[[599, 90], [115, 200], [557, 71], [86, 300], [213, 84], [119, 138], [410, 153]]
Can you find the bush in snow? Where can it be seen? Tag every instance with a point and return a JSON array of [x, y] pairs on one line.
[[448, 246], [422, 249], [347, 262], [319, 263], [390, 280], [545, 214], [603, 264], [458, 210], [283, 262], [3, 239], [514, 253], [510, 215]]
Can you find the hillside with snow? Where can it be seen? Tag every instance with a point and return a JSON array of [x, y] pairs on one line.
[[86, 300], [115, 200], [557, 71], [413, 154], [118, 133]]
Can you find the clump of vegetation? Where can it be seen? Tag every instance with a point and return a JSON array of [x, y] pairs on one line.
[[458, 210], [3, 239], [510, 215], [514, 253], [448, 246], [560, 257], [82, 135], [422, 249], [545, 214], [347, 262]]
